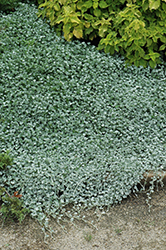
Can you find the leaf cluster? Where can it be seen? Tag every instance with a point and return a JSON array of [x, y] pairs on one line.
[[5, 160], [11, 206], [8, 5], [136, 29]]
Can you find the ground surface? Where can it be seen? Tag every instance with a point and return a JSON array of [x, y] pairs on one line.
[[127, 226]]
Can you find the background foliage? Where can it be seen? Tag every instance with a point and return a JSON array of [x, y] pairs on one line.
[[81, 127], [9, 5], [6, 5], [136, 29]]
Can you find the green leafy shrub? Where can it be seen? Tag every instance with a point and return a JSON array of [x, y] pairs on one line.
[[138, 33], [11, 206], [5, 160], [8, 5], [136, 29]]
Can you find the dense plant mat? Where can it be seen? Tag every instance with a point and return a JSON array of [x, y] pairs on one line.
[[81, 128], [136, 29]]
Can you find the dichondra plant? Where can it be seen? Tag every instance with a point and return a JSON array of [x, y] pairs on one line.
[[82, 127]]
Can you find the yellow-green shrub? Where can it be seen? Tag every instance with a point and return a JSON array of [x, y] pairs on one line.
[[80, 18], [136, 29], [138, 33]]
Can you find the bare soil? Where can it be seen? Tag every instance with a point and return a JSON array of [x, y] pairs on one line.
[[126, 226]]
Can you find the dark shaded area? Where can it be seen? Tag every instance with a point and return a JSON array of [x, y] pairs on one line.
[[9, 6], [30, 1], [94, 42]]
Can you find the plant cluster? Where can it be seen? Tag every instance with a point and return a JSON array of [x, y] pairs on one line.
[[136, 29], [5, 160], [11, 206], [81, 127], [8, 5]]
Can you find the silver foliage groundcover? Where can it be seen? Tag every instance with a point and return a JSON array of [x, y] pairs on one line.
[[81, 127]]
